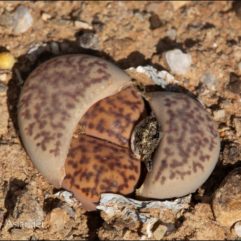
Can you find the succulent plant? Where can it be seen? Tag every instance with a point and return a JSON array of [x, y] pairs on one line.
[[80, 115]]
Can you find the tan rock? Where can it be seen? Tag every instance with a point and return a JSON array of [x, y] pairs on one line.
[[58, 219], [227, 199], [199, 224], [27, 213]]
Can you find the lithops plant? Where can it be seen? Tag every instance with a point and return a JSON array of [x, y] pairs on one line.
[[80, 115], [188, 150], [86, 156]]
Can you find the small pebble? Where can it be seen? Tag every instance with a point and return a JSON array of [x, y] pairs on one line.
[[159, 232], [22, 20], [219, 115], [82, 25], [177, 61], [46, 16], [237, 229], [4, 77], [7, 61], [155, 21], [209, 80], [54, 47], [88, 40], [171, 33]]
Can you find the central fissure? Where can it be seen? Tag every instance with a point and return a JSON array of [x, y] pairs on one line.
[[145, 139]]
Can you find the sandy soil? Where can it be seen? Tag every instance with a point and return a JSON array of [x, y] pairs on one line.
[[129, 34]]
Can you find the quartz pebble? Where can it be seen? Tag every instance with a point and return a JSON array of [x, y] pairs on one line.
[[226, 202], [149, 75], [237, 228], [66, 197], [209, 80], [177, 61], [22, 20]]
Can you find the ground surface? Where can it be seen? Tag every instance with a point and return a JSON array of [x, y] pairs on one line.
[[130, 34]]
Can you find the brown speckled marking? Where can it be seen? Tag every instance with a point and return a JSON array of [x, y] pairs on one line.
[[54, 89], [99, 159], [94, 166], [185, 124], [114, 117]]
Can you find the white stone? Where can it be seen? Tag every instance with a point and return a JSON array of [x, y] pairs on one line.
[[177, 61], [82, 25], [67, 197], [162, 78], [237, 228], [45, 16], [22, 20]]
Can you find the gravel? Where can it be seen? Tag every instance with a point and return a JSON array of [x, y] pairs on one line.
[[177, 61]]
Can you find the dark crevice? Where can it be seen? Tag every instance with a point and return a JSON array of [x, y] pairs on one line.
[[166, 44], [50, 204], [94, 223], [15, 189]]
